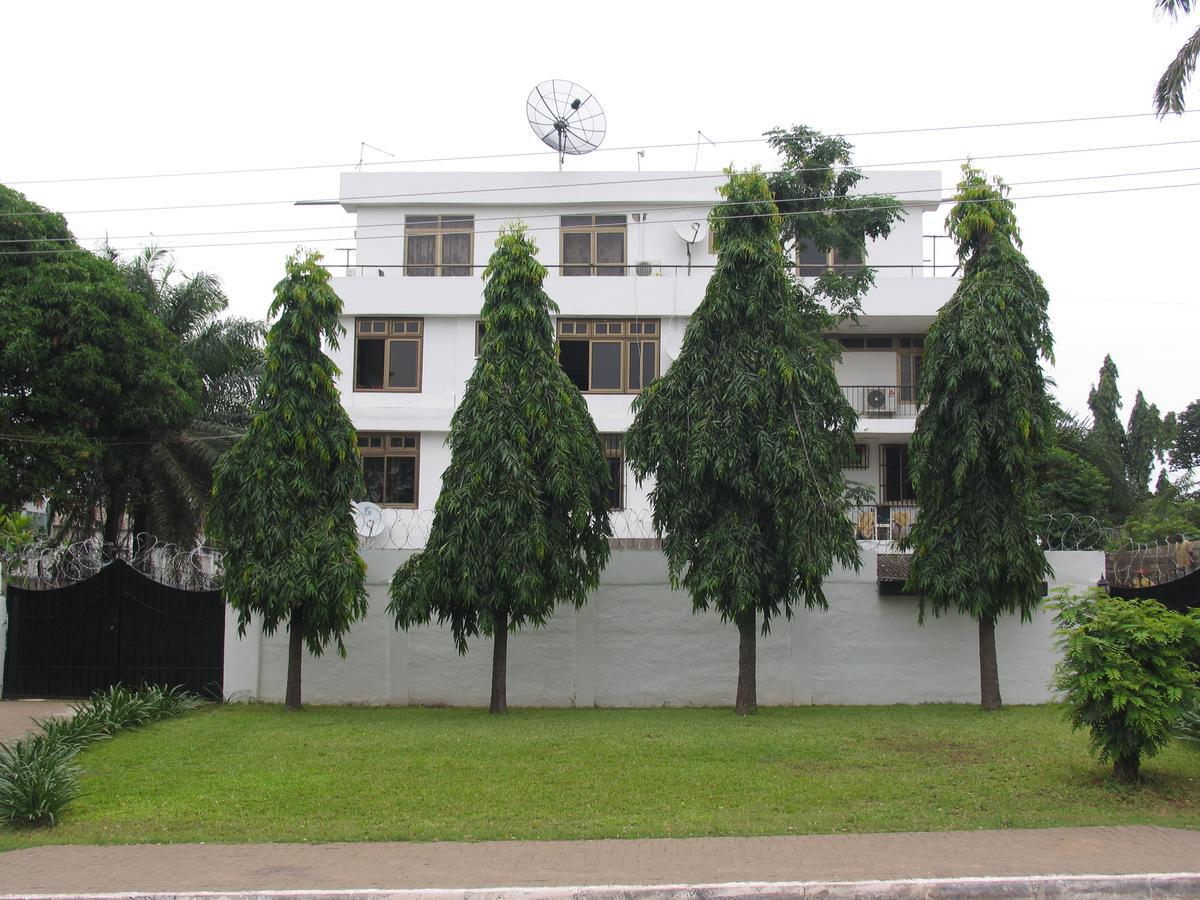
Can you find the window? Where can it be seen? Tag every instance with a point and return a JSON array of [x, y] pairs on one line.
[[387, 354], [390, 466], [811, 262], [910, 375], [861, 457], [438, 245], [609, 356], [895, 482], [593, 245], [479, 329], [614, 454]]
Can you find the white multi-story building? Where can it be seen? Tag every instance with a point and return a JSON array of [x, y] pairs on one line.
[[625, 282]]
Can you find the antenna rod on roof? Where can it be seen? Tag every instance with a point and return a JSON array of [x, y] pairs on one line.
[[363, 147], [700, 134]]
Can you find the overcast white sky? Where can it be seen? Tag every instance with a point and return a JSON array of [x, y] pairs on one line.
[[135, 88]]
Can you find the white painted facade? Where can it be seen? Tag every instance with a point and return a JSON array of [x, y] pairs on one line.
[[904, 301]]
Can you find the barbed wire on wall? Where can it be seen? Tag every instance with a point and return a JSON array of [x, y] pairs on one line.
[[45, 565]]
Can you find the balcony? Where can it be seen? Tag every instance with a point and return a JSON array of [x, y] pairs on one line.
[[881, 401], [883, 521]]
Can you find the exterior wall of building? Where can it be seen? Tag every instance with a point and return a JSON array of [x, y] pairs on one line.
[[637, 643]]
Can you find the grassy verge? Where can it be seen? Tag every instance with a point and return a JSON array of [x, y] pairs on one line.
[[257, 773]]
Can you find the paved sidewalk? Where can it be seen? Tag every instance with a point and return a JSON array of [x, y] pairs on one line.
[[15, 715], [179, 868]]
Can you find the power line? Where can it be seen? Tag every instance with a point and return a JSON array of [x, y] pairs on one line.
[[538, 153], [677, 208], [816, 212], [594, 183]]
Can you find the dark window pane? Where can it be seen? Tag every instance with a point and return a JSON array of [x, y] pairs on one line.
[[852, 343], [610, 220], [575, 221], [606, 365], [616, 482], [879, 343], [610, 248], [420, 254], [373, 476], [812, 261], [421, 221], [574, 358], [401, 480], [458, 221], [479, 329], [369, 365], [649, 358], [456, 254], [402, 364], [635, 366], [577, 248]]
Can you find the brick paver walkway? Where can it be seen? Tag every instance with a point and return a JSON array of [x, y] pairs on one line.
[[216, 867], [15, 715]]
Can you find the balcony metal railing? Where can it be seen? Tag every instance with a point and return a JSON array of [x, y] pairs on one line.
[[883, 521], [881, 401], [644, 269]]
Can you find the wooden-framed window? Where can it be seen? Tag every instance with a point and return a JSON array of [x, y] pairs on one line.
[[811, 262], [438, 245], [609, 356], [861, 458], [593, 245], [908, 343], [614, 454], [479, 330], [391, 467], [895, 480], [388, 354]]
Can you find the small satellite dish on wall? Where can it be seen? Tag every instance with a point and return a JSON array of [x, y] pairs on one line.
[[692, 232], [368, 519], [565, 117]]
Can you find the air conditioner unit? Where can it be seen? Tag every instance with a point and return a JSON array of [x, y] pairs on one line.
[[876, 399], [646, 267]]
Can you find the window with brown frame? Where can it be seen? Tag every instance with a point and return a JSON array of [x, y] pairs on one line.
[[614, 454], [438, 245], [908, 343], [391, 467], [811, 262], [387, 354], [609, 356], [593, 245], [479, 330]]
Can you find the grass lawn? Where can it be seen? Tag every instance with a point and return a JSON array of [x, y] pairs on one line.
[[258, 773]]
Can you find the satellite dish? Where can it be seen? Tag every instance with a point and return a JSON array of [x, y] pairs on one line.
[[565, 117], [368, 519], [692, 232]]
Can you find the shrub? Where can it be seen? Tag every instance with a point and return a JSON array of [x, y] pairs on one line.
[[1189, 722], [38, 778], [1125, 673], [38, 775]]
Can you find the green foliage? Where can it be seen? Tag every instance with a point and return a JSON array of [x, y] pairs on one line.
[[1168, 93], [16, 531], [38, 775], [1125, 672], [282, 494], [1185, 446], [1162, 516], [521, 523], [1146, 441], [983, 426], [87, 373], [1107, 441], [745, 432], [981, 212], [37, 781], [813, 189], [1188, 726]]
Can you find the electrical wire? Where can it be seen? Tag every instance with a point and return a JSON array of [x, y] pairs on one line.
[[814, 212], [587, 184], [538, 153]]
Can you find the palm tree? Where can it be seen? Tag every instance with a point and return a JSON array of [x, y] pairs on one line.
[[1168, 96], [174, 483]]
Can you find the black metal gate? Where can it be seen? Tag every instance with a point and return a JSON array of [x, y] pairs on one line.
[[116, 627]]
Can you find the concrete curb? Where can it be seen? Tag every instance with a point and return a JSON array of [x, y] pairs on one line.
[[1035, 887]]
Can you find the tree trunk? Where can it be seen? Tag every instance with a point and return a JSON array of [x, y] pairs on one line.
[[499, 663], [747, 690], [295, 657], [112, 522], [1125, 768], [989, 674]]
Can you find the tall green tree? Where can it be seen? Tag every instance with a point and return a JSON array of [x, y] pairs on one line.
[[1145, 443], [1185, 443], [521, 523], [1168, 93], [282, 494], [1107, 439], [983, 424], [173, 486], [745, 436], [89, 377], [824, 216]]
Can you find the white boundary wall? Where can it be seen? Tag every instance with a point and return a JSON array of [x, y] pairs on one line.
[[637, 643]]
